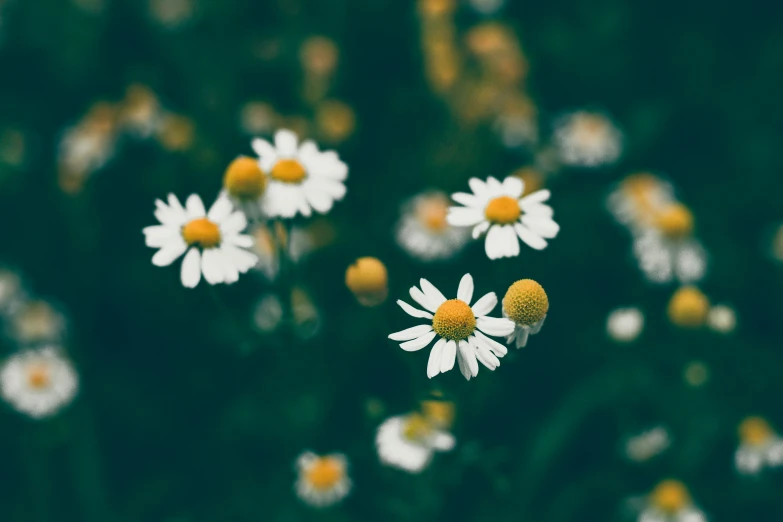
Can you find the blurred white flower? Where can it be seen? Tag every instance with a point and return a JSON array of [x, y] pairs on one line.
[[214, 243], [268, 313], [648, 444], [722, 318], [498, 209], [38, 382], [423, 231], [670, 501], [408, 442], [87, 146], [458, 326], [625, 324], [759, 446], [301, 178], [36, 322], [527, 304], [587, 139], [664, 259], [11, 290], [638, 198], [323, 480]]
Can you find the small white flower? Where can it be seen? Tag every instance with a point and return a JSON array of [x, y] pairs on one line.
[[663, 259], [648, 444], [213, 241], [498, 209], [625, 324], [759, 447], [423, 231], [301, 178], [408, 442], [587, 139], [670, 501], [323, 480], [38, 382], [722, 318], [458, 326], [36, 322], [638, 199]]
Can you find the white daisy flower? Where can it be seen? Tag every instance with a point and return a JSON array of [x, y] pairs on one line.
[[759, 446], [38, 382], [664, 259], [722, 318], [625, 324], [213, 240], [458, 326], [36, 322], [638, 198], [301, 178], [323, 480], [498, 209], [423, 231], [648, 444], [587, 139], [408, 442], [670, 501]]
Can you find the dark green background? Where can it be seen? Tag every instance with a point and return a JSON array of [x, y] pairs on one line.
[[175, 423]]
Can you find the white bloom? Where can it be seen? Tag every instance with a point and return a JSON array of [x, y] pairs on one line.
[[638, 199], [38, 382], [423, 231], [648, 444], [670, 501], [688, 514], [458, 326], [408, 442], [323, 480], [587, 139], [301, 178], [36, 322], [759, 447], [498, 209], [625, 324], [663, 259], [722, 318], [213, 241]]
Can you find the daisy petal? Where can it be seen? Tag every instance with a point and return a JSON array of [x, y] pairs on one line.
[[463, 366], [542, 225], [263, 148], [220, 209], [413, 332], [195, 207], [419, 343], [443, 441], [529, 237], [497, 326], [420, 298], [434, 296], [190, 274], [539, 196], [478, 187], [211, 266], [470, 357], [494, 346], [513, 187], [170, 251], [448, 356], [433, 365], [286, 143], [413, 311], [465, 290], [485, 305], [480, 229], [486, 357], [463, 198], [464, 216]]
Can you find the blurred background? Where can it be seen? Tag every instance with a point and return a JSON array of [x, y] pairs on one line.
[[194, 404]]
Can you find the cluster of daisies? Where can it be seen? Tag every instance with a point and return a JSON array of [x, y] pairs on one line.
[[37, 379]]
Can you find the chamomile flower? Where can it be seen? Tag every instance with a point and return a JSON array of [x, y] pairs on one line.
[[38, 382], [638, 198], [526, 304], [587, 139], [648, 444], [498, 209], [244, 183], [36, 322], [368, 280], [458, 326], [722, 318], [670, 501], [408, 442], [301, 178], [323, 480], [688, 307], [625, 324], [423, 231], [759, 446], [213, 240]]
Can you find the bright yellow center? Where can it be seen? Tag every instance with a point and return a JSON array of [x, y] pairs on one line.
[[432, 213], [688, 307], [438, 413], [454, 320], [525, 302], [368, 279], [38, 376], [288, 171], [670, 496], [675, 221], [503, 210], [202, 232], [244, 178], [755, 431], [416, 427], [325, 473]]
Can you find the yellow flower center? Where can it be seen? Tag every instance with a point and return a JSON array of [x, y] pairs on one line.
[[202, 232], [675, 221], [432, 213], [502, 210], [416, 428], [244, 178], [438, 413], [755, 431], [688, 307], [325, 473], [288, 171], [38, 376], [368, 279], [525, 302], [670, 496], [454, 320]]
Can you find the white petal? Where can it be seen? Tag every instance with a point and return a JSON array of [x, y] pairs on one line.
[[419, 343], [286, 143], [448, 356], [463, 198], [240, 240], [230, 272], [413, 311], [513, 187], [319, 200], [496, 326], [220, 209], [413, 332], [486, 357], [170, 251], [465, 290], [478, 187], [464, 216], [494, 346], [510, 240], [158, 236], [434, 297], [307, 149], [494, 187], [485, 305], [528, 236], [191, 268], [211, 267], [480, 229], [544, 226], [233, 224], [242, 260], [469, 356], [443, 441], [195, 207], [539, 196], [494, 244], [433, 365], [463, 366], [422, 299], [263, 148], [537, 210]]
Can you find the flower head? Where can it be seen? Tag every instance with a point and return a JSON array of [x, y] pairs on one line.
[[244, 180], [647, 444], [688, 307], [38, 382], [458, 326], [527, 304], [323, 480], [423, 230], [759, 446], [368, 279], [670, 501], [587, 139], [722, 318], [36, 322], [625, 324], [408, 442], [498, 209]]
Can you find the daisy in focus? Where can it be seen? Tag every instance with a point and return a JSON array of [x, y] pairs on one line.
[[587, 139], [301, 178], [323, 480], [759, 447], [526, 304], [498, 209], [670, 501], [408, 442], [625, 324], [423, 231], [459, 327], [38, 382], [213, 240]]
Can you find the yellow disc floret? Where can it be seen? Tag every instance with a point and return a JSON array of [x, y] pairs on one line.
[[288, 171], [454, 320], [432, 211], [244, 178], [525, 302], [688, 307], [202, 232], [368, 279], [502, 210], [325, 473], [438, 413], [675, 221], [416, 427], [670, 496], [755, 431], [38, 376]]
